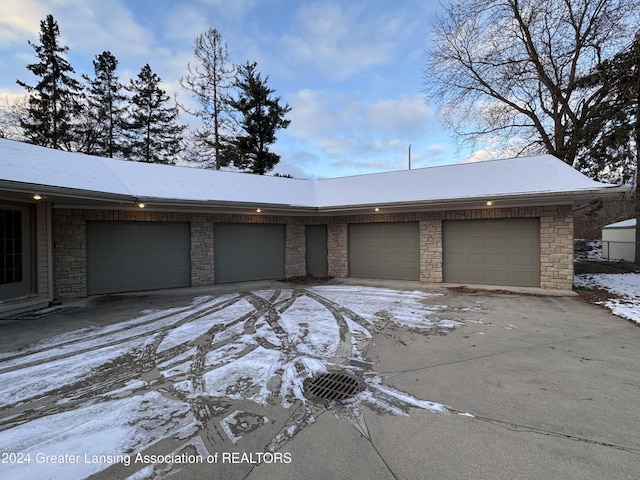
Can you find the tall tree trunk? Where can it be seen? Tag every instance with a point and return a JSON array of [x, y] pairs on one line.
[[636, 57], [637, 192]]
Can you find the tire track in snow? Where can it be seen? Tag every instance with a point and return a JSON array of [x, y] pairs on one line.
[[100, 333], [189, 358], [111, 376]]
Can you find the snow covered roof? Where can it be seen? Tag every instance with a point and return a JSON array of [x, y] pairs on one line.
[[25, 167], [631, 223], [490, 180]]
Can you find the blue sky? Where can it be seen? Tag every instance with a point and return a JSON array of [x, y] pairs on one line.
[[352, 71]]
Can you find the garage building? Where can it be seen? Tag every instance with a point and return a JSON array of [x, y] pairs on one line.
[[75, 225]]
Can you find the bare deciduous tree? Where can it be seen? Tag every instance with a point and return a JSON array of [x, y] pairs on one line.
[[209, 81], [12, 114], [506, 71]]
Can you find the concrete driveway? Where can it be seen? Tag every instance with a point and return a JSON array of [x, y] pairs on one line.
[[454, 383]]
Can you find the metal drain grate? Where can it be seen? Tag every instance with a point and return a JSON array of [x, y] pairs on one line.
[[331, 386]]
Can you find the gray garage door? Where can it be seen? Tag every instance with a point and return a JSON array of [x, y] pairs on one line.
[[493, 252], [316, 249], [244, 252], [384, 250], [130, 256]]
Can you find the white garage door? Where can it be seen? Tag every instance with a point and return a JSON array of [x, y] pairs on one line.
[[130, 256], [384, 250], [492, 252]]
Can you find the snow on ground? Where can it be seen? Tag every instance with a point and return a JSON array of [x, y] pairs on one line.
[[116, 390], [106, 426], [625, 285], [588, 249]]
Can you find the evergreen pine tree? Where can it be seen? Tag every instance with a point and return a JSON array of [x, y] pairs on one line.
[[54, 102], [154, 134], [102, 130], [261, 116]]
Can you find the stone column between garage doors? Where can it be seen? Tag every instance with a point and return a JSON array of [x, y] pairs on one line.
[[431, 250], [556, 247], [201, 251], [338, 250], [69, 253], [294, 250]]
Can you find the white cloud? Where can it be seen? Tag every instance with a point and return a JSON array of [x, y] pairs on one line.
[[340, 40], [234, 10], [16, 20], [495, 148], [84, 26], [404, 116], [185, 23], [317, 114], [438, 148], [356, 134], [480, 156]]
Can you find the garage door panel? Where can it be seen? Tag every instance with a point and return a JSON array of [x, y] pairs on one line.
[[129, 283], [499, 259], [476, 259], [130, 244], [524, 243], [476, 276], [130, 266], [456, 272], [384, 250], [392, 243], [128, 256], [500, 252], [456, 242], [498, 276], [499, 242], [245, 252], [524, 260], [476, 242], [455, 259], [406, 258], [525, 277]]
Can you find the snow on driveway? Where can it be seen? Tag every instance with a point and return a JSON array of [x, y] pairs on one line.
[[625, 285], [102, 395]]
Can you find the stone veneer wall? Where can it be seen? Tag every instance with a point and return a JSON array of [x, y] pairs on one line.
[[201, 251], [69, 254], [556, 247], [431, 250], [337, 250], [556, 241], [295, 262]]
